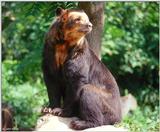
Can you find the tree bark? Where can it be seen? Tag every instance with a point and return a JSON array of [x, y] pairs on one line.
[[95, 12]]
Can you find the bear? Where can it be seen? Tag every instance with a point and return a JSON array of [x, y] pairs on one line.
[[78, 83]]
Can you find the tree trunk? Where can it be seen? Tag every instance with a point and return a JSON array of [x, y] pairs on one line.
[[95, 12]]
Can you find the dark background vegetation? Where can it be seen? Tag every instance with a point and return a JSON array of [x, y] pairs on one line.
[[130, 49]]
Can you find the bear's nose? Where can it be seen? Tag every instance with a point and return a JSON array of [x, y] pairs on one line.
[[89, 25]]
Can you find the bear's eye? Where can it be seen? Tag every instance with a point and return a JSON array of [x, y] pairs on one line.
[[63, 19], [77, 19]]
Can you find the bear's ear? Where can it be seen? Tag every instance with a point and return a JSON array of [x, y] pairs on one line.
[[59, 11]]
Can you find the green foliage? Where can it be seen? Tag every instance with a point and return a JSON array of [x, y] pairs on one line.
[[131, 38], [142, 120], [129, 49], [26, 98]]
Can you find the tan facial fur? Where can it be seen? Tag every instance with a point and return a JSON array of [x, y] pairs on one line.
[[75, 26]]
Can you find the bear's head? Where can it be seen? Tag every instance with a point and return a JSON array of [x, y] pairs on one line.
[[73, 24]]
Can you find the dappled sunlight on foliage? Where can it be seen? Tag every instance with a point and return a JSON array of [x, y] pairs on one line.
[[131, 39], [130, 48]]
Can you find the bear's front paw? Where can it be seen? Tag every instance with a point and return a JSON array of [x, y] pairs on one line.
[[57, 111], [46, 110]]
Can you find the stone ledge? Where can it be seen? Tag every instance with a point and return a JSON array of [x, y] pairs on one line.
[[49, 122]]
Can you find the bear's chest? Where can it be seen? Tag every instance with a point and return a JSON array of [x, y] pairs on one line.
[[61, 53]]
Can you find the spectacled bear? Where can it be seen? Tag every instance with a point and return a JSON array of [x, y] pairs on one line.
[[75, 76]]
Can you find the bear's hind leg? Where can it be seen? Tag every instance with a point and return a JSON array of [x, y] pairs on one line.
[[90, 104]]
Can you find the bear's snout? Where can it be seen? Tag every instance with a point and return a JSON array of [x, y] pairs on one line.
[[89, 25]]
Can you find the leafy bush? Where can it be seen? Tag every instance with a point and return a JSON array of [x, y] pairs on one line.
[[141, 120], [131, 38], [26, 99], [129, 49]]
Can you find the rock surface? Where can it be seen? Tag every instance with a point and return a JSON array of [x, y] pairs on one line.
[[128, 103], [49, 122]]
